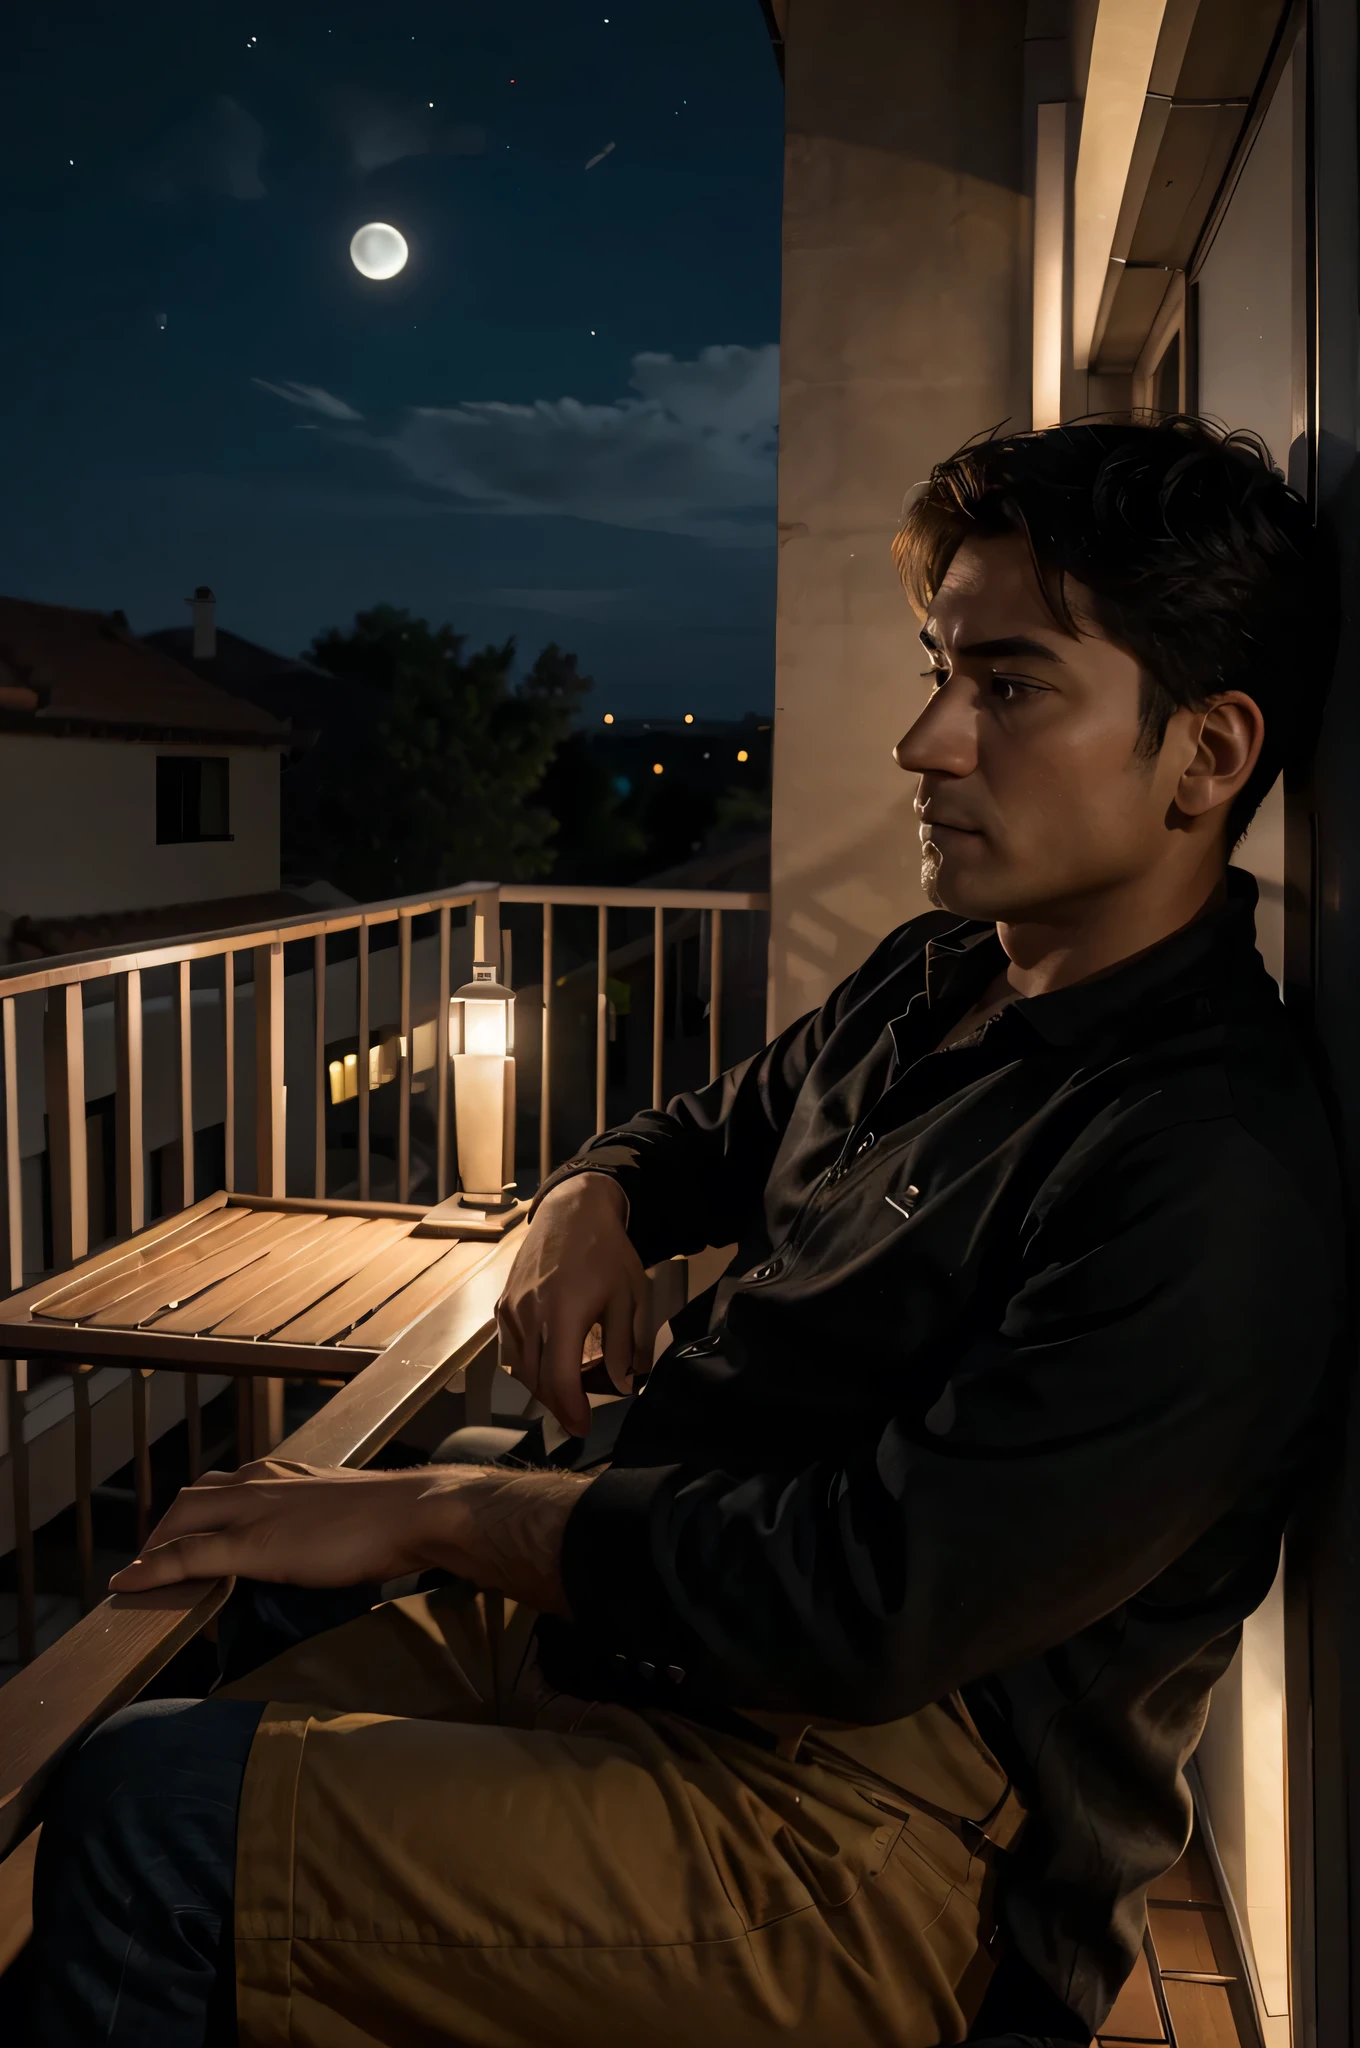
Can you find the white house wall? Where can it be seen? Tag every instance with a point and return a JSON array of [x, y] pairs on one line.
[[78, 829]]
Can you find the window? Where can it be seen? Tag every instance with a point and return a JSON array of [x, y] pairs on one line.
[[192, 798]]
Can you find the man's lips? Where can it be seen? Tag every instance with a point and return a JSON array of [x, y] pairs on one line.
[[930, 826]]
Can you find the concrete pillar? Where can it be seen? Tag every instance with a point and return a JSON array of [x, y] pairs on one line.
[[904, 331]]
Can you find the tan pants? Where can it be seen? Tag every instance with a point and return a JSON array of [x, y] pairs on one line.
[[435, 1848]]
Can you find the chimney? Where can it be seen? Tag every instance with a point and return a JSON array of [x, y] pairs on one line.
[[204, 608]]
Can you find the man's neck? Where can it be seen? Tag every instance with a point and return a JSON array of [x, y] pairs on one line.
[[1074, 942]]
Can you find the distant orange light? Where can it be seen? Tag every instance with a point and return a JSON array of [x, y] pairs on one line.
[[742, 754], [657, 768], [689, 718], [609, 718]]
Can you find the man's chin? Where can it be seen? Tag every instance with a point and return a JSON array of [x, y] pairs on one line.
[[936, 884], [964, 895]]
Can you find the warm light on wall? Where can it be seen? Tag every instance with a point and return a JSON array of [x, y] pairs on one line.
[[689, 718], [384, 1061], [742, 754], [609, 718], [657, 768], [1122, 52], [1050, 221]]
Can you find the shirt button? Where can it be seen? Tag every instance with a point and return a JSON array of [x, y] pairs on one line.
[[647, 1670], [675, 1674], [702, 1347]]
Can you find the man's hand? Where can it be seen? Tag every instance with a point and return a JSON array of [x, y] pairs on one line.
[[575, 1268], [306, 1526]]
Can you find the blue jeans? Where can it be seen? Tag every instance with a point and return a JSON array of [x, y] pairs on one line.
[[132, 1898]]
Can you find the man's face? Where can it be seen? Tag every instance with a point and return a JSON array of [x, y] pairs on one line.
[[1033, 794]]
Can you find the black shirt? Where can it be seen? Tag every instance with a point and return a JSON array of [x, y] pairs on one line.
[[1005, 1389]]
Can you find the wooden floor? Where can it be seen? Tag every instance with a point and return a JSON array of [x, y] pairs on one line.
[[1189, 1989]]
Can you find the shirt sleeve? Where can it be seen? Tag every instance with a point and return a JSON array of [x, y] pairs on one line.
[[695, 1173], [1166, 1336]]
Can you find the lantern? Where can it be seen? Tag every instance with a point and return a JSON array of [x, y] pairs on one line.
[[483, 1025]]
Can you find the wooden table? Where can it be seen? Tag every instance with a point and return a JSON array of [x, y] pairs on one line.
[[249, 1284], [111, 1653]]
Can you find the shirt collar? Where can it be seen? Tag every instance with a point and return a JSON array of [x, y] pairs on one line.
[[1217, 946]]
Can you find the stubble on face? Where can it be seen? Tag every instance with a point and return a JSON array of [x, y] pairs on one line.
[[930, 876]]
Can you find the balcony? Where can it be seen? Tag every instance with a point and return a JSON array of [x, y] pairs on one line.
[[307, 1065]]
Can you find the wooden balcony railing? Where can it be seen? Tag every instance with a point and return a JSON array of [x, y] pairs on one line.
[[133, 1082]]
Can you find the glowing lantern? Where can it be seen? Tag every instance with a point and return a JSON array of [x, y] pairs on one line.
[[482, 1022]]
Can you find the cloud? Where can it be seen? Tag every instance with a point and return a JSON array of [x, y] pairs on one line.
[[693, 453], [312, 397], [378, 130], [216, 149]]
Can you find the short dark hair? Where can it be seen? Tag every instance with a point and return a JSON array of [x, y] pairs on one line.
[[1199, 559]]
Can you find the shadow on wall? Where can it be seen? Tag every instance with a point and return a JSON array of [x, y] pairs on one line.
[[848, 901], [933, 48]]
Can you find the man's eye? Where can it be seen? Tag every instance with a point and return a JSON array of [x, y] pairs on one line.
[[1010, 689]]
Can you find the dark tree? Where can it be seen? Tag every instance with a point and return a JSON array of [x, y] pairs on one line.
[[430, 773]]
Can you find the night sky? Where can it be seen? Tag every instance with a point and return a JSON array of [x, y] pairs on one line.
[[557, 422]]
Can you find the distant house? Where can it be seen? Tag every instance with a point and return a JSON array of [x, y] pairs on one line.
[[293, 691], [329, 717], [131, 791]]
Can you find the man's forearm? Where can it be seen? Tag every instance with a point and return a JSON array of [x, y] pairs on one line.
[[504, 1530]]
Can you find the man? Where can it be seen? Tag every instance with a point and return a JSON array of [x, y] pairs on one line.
[[868, 1669]]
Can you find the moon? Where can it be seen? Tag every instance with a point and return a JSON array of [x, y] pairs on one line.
[[378, 250]]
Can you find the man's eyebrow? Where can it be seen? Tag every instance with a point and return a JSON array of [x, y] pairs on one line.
[[1010, 644]]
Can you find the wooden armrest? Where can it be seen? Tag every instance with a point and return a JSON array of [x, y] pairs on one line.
[[106, 1659]]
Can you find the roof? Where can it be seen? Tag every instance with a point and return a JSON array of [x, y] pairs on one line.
[[239, 665], [64, 671], [287, 687]]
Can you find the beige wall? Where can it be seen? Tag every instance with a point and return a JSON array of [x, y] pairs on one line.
[[1247, 379], [78, 829], [903, 333]]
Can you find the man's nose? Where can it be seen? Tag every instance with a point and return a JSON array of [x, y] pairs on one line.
[[943, 740]]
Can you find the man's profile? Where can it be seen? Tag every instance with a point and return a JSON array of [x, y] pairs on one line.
[[848, 1694]]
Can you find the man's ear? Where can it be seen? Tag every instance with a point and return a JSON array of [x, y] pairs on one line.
[[1227, 737]]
